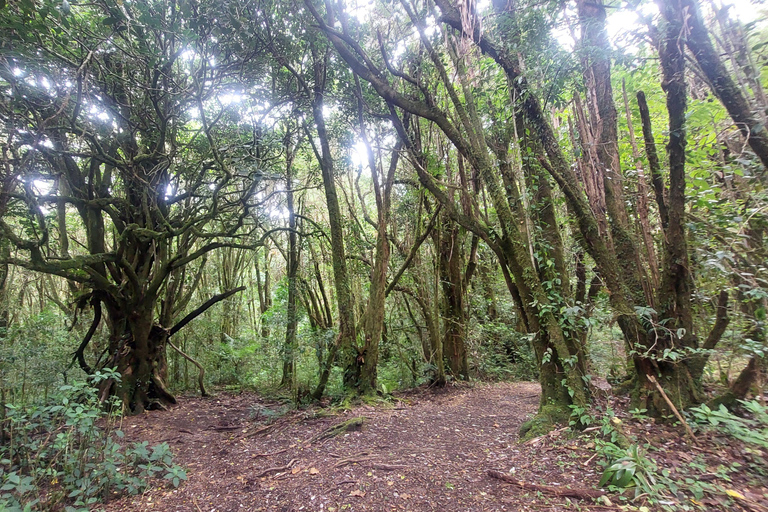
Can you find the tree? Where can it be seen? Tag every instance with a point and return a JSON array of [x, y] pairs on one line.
[[124, 106], [556, 350]]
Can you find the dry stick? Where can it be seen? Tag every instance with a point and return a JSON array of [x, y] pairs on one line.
[[688, 430], [276, 469], [260, 430], [269, 454], [223, 428], [340, 428], [582, 494], [201, 370], [352, 460], [387, 467]]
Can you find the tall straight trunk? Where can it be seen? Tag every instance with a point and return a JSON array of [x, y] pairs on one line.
[[264, 289], [642, 209], [292, 268], [454, 292], [346, 342], [657, 178], [373, 322], [4, 268]]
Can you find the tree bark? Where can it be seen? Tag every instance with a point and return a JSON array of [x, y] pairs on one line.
[[721, 82]]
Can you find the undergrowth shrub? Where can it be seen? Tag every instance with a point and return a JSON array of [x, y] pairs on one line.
[[34, 356], [65, 451], [750, 430], [499, 352]]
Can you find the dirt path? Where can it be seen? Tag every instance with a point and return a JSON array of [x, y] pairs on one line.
[[426, 451]]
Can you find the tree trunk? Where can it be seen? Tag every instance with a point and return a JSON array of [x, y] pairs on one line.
[[373, 323], [292, 268], [454, 293], [264, 290], [346, 342], [721, 82], [4, 267], [138, 354]]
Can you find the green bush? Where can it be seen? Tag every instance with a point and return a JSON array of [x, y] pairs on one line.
[[34, 356], [752, 430], [498, 352], [66, 450]]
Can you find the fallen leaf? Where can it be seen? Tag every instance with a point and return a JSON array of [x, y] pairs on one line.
[[296, 470], [314, 471], [735, 494], [358, 493]]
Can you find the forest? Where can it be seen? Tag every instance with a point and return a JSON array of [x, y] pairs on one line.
[[305, 245]]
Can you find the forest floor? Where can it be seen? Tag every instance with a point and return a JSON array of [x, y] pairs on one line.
[[421, 451]]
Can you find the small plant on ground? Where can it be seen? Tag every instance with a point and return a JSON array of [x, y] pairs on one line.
[[65, 450], [750, 430], [633, 468]]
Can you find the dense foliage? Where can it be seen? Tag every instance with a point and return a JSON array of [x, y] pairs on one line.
[[353, 198]]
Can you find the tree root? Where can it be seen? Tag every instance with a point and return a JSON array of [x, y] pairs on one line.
[[276, 469], [349, 425], [582, 494]]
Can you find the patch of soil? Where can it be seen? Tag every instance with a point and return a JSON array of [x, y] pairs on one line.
[[427, 450]]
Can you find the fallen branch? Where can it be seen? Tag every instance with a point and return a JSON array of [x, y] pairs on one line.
[[260, 430], [335, 430], [269, 454], [276, 469], [387, 467], [688, 430], [224, 427], [362, 457], [582, 494]]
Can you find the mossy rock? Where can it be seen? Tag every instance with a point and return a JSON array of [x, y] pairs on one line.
[[548, 417]]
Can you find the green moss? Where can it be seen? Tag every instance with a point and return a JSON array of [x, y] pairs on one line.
[[545, 420]]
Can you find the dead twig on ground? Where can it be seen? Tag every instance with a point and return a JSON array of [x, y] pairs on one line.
[[361, 457], [259, 431], [276, 469], [582, 494], [269, 454], [386, 467], [224, 428], [335, 430]]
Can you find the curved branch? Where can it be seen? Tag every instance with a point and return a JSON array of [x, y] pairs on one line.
[[200, 310], [79, 355], [393, 284], [200, 375]]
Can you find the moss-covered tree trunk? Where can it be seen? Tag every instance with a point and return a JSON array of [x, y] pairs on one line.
[[346, 342], [373, 321], [451, 265], [292, 267]]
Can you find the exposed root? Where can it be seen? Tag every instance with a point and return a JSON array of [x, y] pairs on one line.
[[349, 425], [276, 469], [582, 494]]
